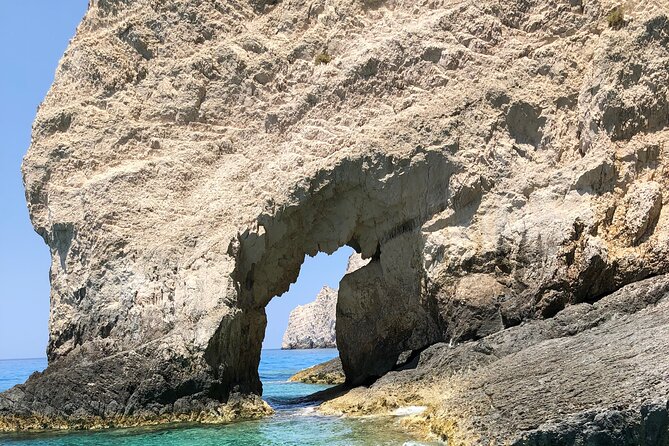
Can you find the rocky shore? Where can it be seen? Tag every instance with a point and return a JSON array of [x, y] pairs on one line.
[[25, 418], [592, 374]]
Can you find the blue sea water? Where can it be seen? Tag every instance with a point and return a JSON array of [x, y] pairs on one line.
[[293, 424]]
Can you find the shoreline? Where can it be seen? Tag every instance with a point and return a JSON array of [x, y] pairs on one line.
[[413, 425], [245, 408], [591, 371]]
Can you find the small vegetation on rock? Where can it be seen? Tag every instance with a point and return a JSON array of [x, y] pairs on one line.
[[616, 18], [373, 3], [322, 58]]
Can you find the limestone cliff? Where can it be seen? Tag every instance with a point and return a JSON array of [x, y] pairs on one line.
[[499, 162], [313, 325]]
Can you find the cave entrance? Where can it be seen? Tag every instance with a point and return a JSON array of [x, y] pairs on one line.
[[375, 204]]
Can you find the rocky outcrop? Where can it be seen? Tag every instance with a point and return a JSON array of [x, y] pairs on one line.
[[329, 372], [313, 325], [544, 382], [498, 162], [355, 262]]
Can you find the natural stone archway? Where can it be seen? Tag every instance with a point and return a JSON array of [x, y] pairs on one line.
[[498, 161], [375, 204]]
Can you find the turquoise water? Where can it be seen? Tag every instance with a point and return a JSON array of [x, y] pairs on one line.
[[293, 424]]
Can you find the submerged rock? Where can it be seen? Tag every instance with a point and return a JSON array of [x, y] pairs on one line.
[[500, 164], [313, 325]]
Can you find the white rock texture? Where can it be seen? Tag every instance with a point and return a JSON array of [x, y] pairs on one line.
[[313, 325], [497, 161]]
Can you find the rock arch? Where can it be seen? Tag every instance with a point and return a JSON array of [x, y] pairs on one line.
[[162, 161], [375, 204]]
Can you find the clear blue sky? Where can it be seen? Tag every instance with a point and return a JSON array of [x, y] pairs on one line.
[[33, 37]]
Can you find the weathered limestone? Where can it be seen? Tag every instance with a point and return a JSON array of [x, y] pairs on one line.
[[381, 313], [313, 325], [499, 162]]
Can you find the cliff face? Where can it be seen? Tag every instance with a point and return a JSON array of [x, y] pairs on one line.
[[313, 325], [498, 162]]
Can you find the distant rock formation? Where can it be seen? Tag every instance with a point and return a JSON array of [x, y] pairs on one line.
[[313, 325]]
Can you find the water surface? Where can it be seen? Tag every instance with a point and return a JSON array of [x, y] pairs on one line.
[[293, 424]]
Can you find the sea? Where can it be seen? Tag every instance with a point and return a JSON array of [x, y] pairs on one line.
[[294, 423]]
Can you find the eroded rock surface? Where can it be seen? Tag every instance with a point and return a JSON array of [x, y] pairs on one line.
[[593, 374], [313, 325], [498, 162]]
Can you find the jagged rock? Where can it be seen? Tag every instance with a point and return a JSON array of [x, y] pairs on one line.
[[313, 325], [355, 262], [378, 333], [544, 382], [190, 154], [639, 211]]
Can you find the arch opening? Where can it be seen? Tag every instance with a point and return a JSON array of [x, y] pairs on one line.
[[300, 332], [311, 326], [376, 205]]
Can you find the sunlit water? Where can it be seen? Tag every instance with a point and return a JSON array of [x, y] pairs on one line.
[[293, 424]]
